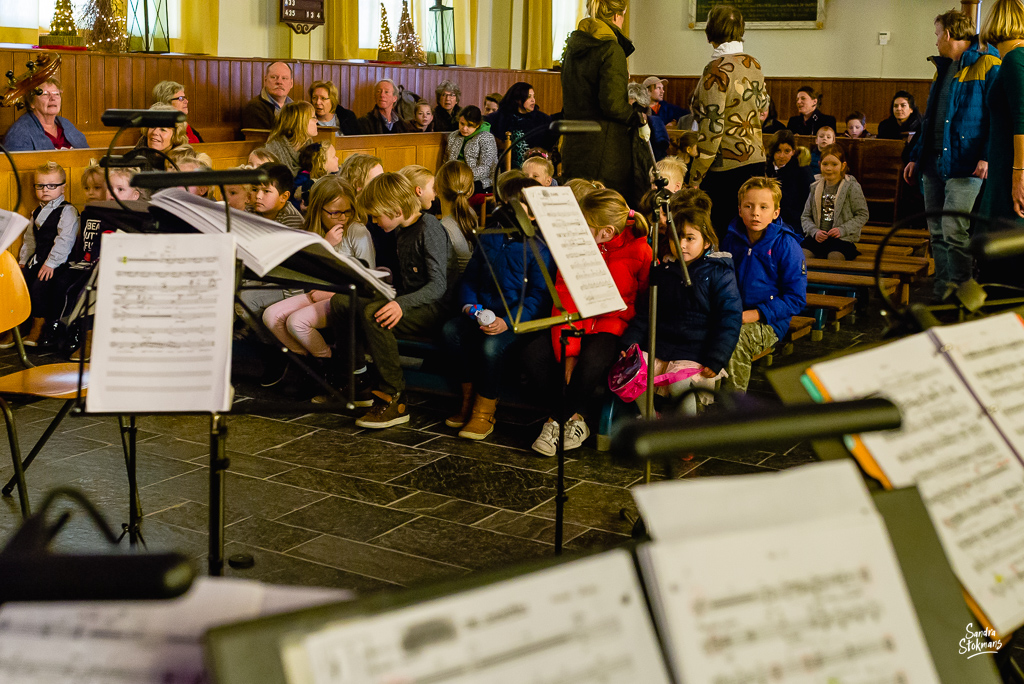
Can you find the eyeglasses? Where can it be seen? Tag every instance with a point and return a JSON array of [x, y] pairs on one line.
[[339, 214], [48, 93], [180, 98], [48, 186]]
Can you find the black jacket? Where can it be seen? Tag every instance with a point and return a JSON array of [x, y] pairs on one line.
[[594, 79], [348, 123], [443, 121], [259, 114], [373, 124], [796, 183], [799, 126], [891, 129]]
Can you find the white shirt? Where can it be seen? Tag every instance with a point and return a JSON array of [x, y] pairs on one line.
[[67, 231]]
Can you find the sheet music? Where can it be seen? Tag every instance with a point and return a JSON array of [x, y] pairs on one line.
[[575, 252], [162, 335], [789, 605], [134, 642], [263, 244], [11, 227], [989, 353], [753, 587], [969, 478], [810, 492], [584, 621]]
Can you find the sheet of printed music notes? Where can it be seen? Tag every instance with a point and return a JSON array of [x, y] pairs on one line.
[[960, 390], [576, 254], [162, 334], [779, 598], [583, 621]]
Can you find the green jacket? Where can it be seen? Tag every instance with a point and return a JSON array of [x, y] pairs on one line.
[[594, 79]]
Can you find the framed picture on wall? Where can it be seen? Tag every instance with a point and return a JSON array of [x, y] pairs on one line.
[[766, 14]]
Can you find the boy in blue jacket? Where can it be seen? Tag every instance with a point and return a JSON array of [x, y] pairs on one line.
[[477, 350], [771, 273]]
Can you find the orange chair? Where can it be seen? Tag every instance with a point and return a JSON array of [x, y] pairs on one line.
[[53, 381]]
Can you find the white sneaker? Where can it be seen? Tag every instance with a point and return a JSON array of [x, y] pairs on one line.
[[576, 432], [547, 443]]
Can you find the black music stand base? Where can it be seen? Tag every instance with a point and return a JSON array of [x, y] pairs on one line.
[[560, 495], [132, 528]]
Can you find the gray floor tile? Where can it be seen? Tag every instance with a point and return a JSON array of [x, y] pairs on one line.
[[346, 518], [374, 561]]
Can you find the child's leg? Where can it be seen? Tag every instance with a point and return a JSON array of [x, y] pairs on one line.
[[383, 345], [542, 371], [305, 324], [597, 354], [754, 338], [275, 317], [461, 337], [487, 378]]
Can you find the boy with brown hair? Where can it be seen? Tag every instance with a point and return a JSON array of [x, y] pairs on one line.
[[770, 271], [425, 281]]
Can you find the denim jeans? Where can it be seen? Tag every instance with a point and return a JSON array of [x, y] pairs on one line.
[[475, 356], [949, 235]]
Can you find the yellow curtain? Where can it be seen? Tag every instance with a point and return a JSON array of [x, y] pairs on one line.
[[342, 29], [200, 21], [537, 34]]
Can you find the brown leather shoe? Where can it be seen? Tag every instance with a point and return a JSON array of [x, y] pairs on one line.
[[462, 417], [481, 422]]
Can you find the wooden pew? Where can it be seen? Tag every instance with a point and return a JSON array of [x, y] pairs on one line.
[[907, 273], [849, 282], [395, 150], [829, 309]]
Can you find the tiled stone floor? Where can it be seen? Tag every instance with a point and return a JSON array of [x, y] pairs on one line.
[[318, 501]]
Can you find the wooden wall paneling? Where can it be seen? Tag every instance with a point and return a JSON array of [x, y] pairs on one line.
[[395, 158], [7, 63]]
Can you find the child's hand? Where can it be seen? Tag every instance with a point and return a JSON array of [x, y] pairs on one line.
[[751, 316], [707, 372], [821, 236], [834, 232], [495, 328], [468, 309], [45, 273], [389, 315], [335, 234]]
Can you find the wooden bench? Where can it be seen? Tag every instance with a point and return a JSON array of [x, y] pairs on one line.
[[829, 309], [850, 284], [799, 326], [869, 249], [907, 273]]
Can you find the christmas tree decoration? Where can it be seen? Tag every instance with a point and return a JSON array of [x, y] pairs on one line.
[[62, 27], [109, 26], [408, 43], [386, 50]]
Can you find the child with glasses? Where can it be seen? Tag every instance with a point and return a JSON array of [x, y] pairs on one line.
[[332, 215], [45, 251]]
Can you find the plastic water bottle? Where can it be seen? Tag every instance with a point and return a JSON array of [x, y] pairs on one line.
[[483, 316]]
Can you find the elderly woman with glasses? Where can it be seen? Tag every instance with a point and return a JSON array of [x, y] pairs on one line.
[[41, 127], [171, 93]]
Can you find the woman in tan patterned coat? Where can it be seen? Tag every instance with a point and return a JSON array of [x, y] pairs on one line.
[[727, 106]]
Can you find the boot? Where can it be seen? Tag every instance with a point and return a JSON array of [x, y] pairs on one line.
[[481, 422], [462, 417], [32, 339], [86, 348]]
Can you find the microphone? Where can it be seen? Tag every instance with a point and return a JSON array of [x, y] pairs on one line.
[[42, 576], [1003, 244], [143, 118], [667, 438], [573, 126], [154, 180]]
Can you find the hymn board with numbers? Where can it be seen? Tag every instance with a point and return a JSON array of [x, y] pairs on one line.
[[302, 15]]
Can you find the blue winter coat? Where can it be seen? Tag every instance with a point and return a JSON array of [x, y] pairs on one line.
[[771, 273], [26, 134], [699, 323], [506, 257], [965, 133]]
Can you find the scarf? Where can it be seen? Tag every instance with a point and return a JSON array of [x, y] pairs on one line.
[[731, 48]]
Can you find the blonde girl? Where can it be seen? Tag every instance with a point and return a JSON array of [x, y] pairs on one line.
[[621, 235], [423, 179], [360, 169], [295, 128], [332, 214], [93, 183], [454, 188]]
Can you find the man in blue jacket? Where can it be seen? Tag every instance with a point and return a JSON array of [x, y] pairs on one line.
[[949, 152], [770, 271]]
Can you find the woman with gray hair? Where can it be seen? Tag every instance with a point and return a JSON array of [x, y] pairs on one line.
[[173, 93], [446, 113]]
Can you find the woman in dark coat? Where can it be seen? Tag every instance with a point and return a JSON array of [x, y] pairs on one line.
[[519, 116], [904, 120], [594, 80]]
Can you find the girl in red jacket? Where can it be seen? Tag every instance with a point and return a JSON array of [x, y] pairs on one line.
[[621, 235]]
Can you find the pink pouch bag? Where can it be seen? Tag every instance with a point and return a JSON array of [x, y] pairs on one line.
[[628, 376]]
